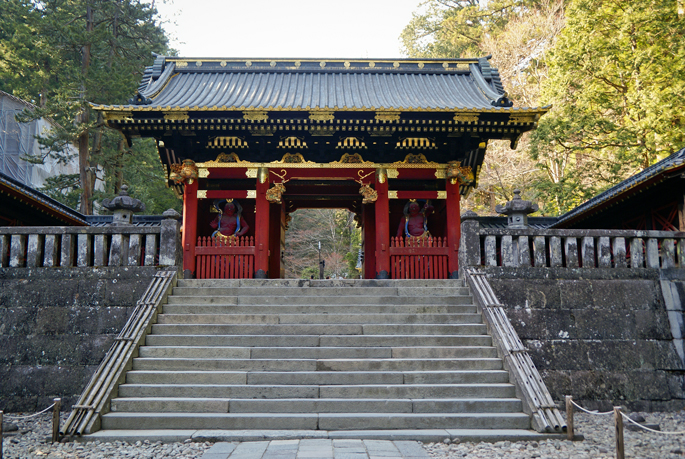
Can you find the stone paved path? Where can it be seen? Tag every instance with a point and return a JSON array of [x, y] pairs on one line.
[[317, 449]]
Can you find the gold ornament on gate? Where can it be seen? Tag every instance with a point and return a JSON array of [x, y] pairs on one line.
[[457, 173]]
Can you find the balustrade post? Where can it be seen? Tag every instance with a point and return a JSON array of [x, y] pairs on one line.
[[490, 246], [469, 250], [540, 249], [604, 252], [524, 251], [653, 253], [588, 252], [507, 249], [618, 245], [135, 246], [571, 251], [637, 259], [4, 250], [556, 258], [150, 249], [68, 250], [681, 253], [171, 249], [18, 251], [100, 250], [84, 251], [51, 255], [668, 253], [34, 252]]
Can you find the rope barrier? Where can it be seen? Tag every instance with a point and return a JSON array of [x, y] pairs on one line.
[[652, 430], [19, 418], [595, 412]]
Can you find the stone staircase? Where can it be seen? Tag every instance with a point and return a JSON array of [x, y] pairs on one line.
[[317, 355]]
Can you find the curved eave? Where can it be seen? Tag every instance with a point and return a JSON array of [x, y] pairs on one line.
[[647, 178]]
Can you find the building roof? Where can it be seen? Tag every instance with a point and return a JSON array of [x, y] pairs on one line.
[[24, 205], [321, 84], [654, 174]]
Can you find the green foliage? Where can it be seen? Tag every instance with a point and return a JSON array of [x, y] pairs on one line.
[[616, 93], [64, 188], [67, 54]]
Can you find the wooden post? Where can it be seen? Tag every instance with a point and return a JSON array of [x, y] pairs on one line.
[[569, 417], [453, 227], [618, 421], [189, 229], [55, 419], [262, 226], [369, 228], [382, 226]]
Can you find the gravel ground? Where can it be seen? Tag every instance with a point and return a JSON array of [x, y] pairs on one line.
[[599, 442], [31, 442]]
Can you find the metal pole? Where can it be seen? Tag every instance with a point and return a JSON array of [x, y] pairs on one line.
[[618, 421], [320, 267], [55, 420], [569, 418]]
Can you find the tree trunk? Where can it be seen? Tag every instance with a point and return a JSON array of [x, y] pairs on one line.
[[84, 117]]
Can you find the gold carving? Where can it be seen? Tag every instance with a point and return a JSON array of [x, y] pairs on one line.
[[350, 142], [382, 132], [251, 172], [230, 142], [256, 115], [457, 173], [421, 64], [176, 116], [440, 174], [414, 158], [262, 130], [482, 145], [322, 64], [372, 64], [292, 142], [445, 65], [222, 63], [369, 195], [326, 115], [251, 194], [322, 131], [393, 173], [292, 158], [354, 158], [181, 64], [248, 63], [275, 193], [387, 116], [203, 173], [392, 194], [263, 174], [298, 64], [347, 64], [119, 115], [198, 63], [442, 194], [396, 64], [415, 142], [272, 63], [523, 118], [228, 158], [201, 194], [466, 117], [381, 175], [188, 171]]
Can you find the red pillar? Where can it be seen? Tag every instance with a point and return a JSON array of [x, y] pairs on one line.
[[382, 227], [277, 240], [189, 229], [262, 227], [453, 227]]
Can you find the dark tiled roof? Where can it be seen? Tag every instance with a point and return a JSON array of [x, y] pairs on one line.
[[38, 199], [501, 222], [320, 84], [675, 161], [138, 220]]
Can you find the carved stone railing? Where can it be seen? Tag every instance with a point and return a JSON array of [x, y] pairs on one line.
[[537, 401], [574, 248], [74, 246]]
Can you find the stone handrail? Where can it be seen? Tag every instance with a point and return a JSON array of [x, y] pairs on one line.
[[74, 246], [570, 248], [537, 401]]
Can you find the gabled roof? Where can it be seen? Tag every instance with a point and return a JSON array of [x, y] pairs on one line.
[[174, 83], [674, 164]]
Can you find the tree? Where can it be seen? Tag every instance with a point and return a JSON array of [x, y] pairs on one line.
[[89, 51], [616, 95]]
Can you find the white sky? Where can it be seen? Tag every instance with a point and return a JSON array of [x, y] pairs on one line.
[[287, 28]]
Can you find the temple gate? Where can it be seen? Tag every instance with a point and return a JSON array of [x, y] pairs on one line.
[[271, 136]]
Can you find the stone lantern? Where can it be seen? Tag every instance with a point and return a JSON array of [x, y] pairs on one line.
[[517, 211], [123, 207]]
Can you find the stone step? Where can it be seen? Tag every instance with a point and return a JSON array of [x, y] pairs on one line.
[[321, 421], [278, 300], [320, 283], [232, 352], [345, 318], [330, 291], [308, 405], [319, 329], [316, 377], [271, 391], [320, 309], [317, 364], [318, 340]]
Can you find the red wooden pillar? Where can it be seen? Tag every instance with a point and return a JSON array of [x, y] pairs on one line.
[[277, 240], [369, 228], [189, 229], [453, 227], [262, 226], [382, 226]]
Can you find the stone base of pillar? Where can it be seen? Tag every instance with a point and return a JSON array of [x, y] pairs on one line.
[[187, 274], [260, 274], [383, 275], [454, 275]]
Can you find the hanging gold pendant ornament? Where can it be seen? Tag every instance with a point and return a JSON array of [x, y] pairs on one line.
[[456, 173]]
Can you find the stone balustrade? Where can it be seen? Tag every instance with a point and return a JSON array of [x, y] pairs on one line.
[[565, 248], [34, 247]]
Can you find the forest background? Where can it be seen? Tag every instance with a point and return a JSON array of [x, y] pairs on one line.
[[612, 71]]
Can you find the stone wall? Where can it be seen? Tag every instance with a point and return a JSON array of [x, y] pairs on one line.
[[600, 335], [56, 325]]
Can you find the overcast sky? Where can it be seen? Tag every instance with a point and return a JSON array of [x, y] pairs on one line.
[[287, 28]]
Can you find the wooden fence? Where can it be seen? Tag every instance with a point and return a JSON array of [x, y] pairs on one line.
[[418, 258], [219, 258]]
